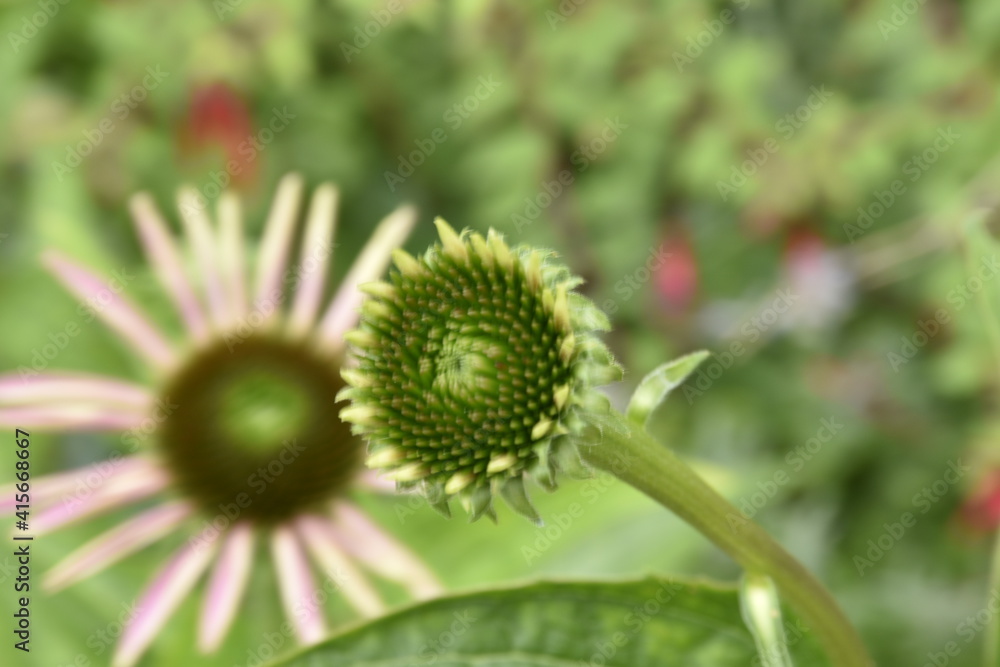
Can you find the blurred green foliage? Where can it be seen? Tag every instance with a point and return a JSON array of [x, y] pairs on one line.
[[644, 108]]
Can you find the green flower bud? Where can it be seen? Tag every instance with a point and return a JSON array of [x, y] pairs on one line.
[[474, 363]]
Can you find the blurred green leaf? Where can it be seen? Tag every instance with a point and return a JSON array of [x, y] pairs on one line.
[[650, 622]]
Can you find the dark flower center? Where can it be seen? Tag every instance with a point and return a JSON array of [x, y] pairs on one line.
[[255, 427]]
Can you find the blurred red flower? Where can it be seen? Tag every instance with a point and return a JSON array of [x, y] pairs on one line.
[[218, 119]]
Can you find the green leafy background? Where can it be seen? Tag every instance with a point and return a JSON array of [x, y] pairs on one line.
[[560, 81]]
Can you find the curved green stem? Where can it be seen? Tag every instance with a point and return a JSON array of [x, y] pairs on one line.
[[631, 455], [991, 643]]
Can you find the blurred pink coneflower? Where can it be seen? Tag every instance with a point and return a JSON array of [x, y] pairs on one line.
[[237, 430]]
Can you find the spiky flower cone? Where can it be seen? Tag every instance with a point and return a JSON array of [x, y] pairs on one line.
[[475, 361]]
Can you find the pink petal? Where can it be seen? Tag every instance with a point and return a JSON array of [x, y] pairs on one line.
[[116, 311], [342, 314], [171, 585], [70, 417], [117, 543], [46, 490], [199, 232], [297, 586], [372, 481], [58, 387], [226, 587], [114, 492], [163, 256], [373, 548], [231, 255], [277, 240], [317, 246], [322, 543]]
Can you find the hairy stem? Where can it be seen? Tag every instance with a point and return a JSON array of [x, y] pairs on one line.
[[631, 455]]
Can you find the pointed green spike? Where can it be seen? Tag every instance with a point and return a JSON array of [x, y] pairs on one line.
[[379, 289], [501, 252], [458, 481], [482, 248], [361, 338], [377, 310], [561, 395], [346, 394], [478, 502], [385, 457], [355, 378], [561, 310], [657, 385], [450, 240], [542, 471], [406, 263], [567, 348], [501, 462], [541, 429], [362, 415], [491, 514], [409, 472], [533, 270], [568, 461], [516, 496], [437, 498], [441, 507]]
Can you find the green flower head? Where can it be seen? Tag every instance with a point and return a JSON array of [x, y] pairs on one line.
[[474, 364]]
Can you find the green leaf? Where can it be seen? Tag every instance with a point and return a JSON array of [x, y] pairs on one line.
[[762, 614], [650, 622], [656, 386]]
